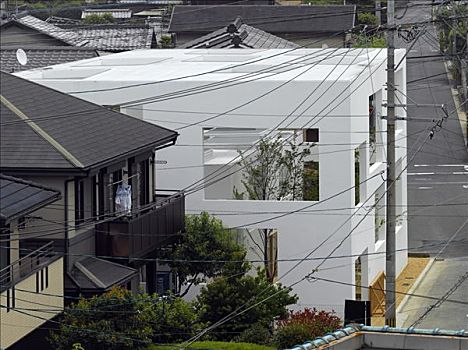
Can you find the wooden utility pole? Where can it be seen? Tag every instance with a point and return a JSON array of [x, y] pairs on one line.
[[390, 307]]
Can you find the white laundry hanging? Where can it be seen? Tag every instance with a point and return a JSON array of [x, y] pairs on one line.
[[123, 199]]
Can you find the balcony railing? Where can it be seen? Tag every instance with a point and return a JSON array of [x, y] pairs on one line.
[[137, 235], [27, 265]]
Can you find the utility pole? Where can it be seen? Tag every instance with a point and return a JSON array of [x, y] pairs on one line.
[[378, 11], [390, 307]]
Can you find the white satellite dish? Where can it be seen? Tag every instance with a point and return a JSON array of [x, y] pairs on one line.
[[21, 57]]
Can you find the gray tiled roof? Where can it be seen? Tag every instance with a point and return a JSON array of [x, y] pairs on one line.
[[43, 27], [100, 37], [239, 35], [76, 134], [39, 57], [19, 197], [270, 18], [93, 273], [115, 38]]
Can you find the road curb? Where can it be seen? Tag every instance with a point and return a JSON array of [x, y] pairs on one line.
[[461, 115], [415, 285]]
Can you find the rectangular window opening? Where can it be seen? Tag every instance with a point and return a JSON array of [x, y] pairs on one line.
[[357, 177], [311, 180], [311, 135]]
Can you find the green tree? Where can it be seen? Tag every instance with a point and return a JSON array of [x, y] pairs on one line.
[[205, 240], [106, 18], [175, 320], [227, 294], [117, 320], [274, 170]]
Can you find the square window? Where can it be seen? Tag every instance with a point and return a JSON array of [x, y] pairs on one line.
[[311, 135]]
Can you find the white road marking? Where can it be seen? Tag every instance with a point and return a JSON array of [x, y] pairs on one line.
[[460, 173], [465, 186], [445, 183], [441, 165], [424, 188], [421, 173]]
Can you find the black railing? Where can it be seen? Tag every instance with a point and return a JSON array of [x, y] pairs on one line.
[[27, 265], [155, 226]]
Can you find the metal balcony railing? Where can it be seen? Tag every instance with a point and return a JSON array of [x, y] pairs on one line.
[[27, 265], [135, 236]]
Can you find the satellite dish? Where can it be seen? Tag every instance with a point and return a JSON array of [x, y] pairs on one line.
[[21, 57]]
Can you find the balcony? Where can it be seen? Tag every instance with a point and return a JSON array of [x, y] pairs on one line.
[[27, 265], [137, 235]]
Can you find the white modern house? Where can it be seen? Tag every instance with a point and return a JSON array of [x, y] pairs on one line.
[[223, 102]]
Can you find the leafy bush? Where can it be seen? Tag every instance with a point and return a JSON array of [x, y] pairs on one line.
[[175, 320], [373, 41], [304, 325], [99, 19], [117, 320], [291, 334], [367, 18], [212, 345], [225, 295], [257, 334]]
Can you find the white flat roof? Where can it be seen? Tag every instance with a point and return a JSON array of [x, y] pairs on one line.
[[218, 64]]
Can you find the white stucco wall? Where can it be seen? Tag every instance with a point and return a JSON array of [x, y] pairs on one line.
[[340, 92]]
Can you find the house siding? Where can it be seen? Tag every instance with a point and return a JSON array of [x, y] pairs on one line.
[[15, 325]]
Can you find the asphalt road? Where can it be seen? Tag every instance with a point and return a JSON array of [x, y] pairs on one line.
[[438, 174], [437, 181]]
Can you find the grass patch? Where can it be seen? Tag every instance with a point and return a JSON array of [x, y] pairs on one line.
[[214, 345]]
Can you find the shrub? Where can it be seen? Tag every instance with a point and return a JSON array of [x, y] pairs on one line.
[[257, 334], [291, 334], [367, 18], [225, 295], [305, 325], [99, 19], [175, 321]]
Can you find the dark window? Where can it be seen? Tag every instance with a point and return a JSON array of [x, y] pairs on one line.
[[95, 190], [47, 277], [37, 282], [116, 182], [311, 181], [144, 182], [79, 202], [5, 251], [311, 135], [8, 300], [357, 177], [101, 192]]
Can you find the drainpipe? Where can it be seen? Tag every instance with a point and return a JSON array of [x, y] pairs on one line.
[[66, 226]]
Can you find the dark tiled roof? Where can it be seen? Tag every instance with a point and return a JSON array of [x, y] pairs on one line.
[[97, 274], [19, 197], [43, 27], [65, 132], [270, 18], [239, 35], [39, 57], [99, 37], [115, 37]]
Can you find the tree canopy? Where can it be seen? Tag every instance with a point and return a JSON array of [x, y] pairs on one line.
[[206, 250]]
